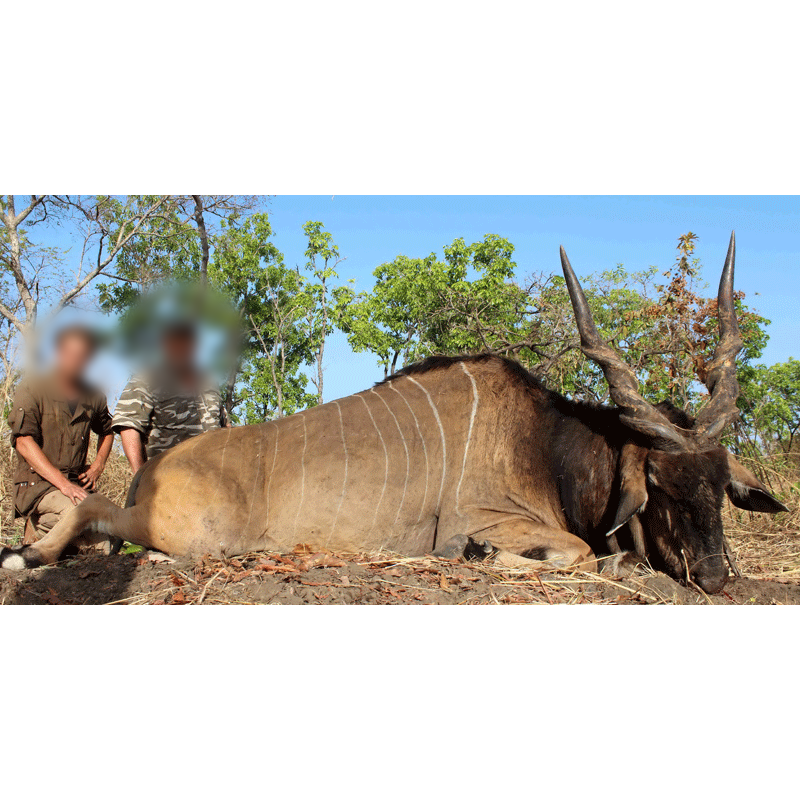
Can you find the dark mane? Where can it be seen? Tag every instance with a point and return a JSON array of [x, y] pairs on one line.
[[513, 369], [434, 363]]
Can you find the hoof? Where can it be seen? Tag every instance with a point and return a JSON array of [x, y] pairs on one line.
[[453, 548], [478, 551], [623, 565], [463, 546]]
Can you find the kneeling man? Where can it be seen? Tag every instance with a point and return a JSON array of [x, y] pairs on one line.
[[51, 422]]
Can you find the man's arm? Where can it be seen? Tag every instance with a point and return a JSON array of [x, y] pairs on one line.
[[101, 425], [26, 446], [133, 446], [132, 420]]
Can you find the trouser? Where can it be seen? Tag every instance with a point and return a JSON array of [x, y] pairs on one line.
[[47, 513], [49, 510]]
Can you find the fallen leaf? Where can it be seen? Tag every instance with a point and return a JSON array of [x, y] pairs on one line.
[[322, 560], [90, 573], [278, 568], [159, 558], [298, 567]]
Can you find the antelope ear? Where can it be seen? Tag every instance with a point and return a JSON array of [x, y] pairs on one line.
[[746, 491], [633, 488]]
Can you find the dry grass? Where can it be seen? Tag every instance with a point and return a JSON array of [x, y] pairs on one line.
[[389, 574], [768, 546], [116, 478]]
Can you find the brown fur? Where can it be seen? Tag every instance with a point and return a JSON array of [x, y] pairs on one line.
[[472, 446]]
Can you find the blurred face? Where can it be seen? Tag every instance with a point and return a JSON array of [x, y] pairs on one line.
[[73, 356], [179, 350]]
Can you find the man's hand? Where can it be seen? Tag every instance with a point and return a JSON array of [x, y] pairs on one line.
[[28, 448], [73, 492], [89, 478]]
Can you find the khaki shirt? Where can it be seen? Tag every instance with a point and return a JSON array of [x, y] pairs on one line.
[[165, 414], [41, 412]]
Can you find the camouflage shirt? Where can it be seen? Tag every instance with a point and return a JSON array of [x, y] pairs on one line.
[[166, 414]]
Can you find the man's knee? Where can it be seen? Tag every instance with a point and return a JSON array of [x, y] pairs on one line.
[[54, 503], [50, 510], [46, 522]]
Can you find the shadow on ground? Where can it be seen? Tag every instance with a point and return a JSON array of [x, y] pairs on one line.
[[325, 579], [83, 580]]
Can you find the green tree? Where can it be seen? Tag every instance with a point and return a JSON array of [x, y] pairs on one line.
[[469, 301], [770, 405], [272, 304], [323, 258], [174, 244], [420, 306]]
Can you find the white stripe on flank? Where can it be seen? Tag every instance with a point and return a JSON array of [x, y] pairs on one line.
[[424, 448], [191, 474], [269, 482], [221, 468], [386, 457], [255, 482], [469, 434], [405, 447], [444, 445], [346, 463], [302, 475]]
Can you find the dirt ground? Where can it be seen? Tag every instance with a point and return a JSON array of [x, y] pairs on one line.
[[326, 579]]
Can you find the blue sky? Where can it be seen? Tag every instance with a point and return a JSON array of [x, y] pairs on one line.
[[598, 233]]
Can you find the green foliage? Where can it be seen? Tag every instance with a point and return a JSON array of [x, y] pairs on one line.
[[323, 258], [284, 315], [273, 301], [468, 301], [770, 403], [420, 306], [166, 250]]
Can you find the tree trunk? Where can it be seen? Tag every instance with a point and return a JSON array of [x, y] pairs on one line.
[[201, 229], [321, 349]]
